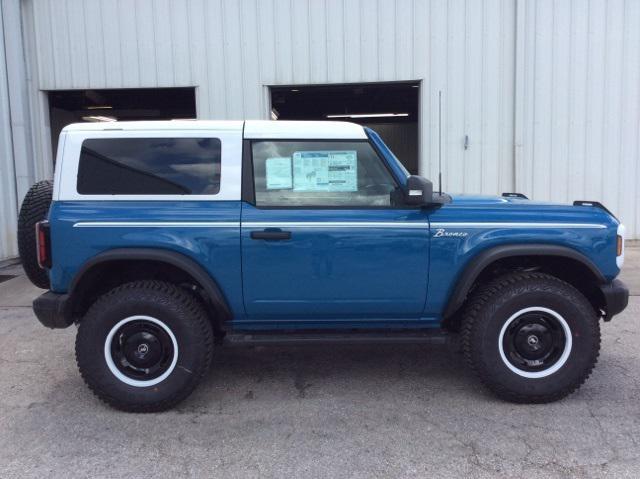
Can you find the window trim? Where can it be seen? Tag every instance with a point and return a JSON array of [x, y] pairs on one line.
[[249, 185]]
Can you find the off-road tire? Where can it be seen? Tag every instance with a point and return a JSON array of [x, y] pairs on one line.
[[492, 305], [176, 308], [34, 208]]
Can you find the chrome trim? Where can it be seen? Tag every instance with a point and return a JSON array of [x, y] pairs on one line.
[[335, 224], [157, 224], [520, 225], [414, 225], [327, 224]]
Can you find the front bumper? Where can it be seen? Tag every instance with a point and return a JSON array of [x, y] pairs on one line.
[[52, 310], [616, 298]]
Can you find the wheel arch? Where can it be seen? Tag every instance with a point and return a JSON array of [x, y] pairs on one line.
[[130, 264], [536, 254]]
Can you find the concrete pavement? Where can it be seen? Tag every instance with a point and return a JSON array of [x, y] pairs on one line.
[[338, 411]]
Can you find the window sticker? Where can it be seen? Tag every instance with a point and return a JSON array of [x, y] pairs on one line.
[[325, 171], [279, 175]]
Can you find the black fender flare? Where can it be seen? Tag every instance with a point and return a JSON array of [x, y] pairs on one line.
[[483, 259], [173, 258]]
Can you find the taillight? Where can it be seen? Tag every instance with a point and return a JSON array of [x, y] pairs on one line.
[[43, 244]]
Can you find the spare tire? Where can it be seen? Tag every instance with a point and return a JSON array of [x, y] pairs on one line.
[[35, 207]]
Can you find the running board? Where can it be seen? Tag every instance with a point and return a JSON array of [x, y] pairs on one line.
[[295, 339]]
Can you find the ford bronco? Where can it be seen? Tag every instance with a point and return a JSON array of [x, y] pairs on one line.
[[163, 240]]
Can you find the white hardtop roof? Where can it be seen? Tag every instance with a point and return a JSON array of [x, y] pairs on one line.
[[155, 125], [253, 129], [293, 130]]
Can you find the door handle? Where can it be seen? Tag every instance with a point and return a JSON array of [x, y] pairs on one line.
[[271, 235]]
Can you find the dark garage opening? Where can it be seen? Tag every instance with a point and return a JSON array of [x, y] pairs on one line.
[[391, 109], [73, 106]]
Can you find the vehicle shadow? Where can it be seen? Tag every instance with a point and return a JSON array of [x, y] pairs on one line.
[[333, 371]]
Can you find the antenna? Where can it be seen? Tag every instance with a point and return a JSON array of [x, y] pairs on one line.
[[440, 142]]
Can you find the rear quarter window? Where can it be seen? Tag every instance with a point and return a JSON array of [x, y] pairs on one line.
[[149, 166]]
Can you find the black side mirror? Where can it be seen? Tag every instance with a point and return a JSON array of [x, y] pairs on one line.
[[419, 191]]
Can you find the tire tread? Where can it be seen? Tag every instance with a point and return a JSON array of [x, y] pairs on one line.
[[480, 299], [34, 208], [195, 311]]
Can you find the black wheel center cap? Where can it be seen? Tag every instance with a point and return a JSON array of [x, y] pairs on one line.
[[142, 349], [533, 340]]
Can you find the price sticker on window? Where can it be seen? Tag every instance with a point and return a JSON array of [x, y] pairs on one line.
[[325, 171], [279, 175]]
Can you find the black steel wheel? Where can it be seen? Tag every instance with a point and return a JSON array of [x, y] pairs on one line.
[[535, 342], [141, 350]]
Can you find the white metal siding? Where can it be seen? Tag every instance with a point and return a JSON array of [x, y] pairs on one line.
[[579, 125], [555, 81], [231, 50], [20, 167], [8, 208]]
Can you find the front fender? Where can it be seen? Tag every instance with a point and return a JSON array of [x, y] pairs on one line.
[[480, 261]]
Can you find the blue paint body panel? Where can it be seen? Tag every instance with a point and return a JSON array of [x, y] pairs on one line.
[[341, 268], [336, 269], [450, 255], [217, 250]]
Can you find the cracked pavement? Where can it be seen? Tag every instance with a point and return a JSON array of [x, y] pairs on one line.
[[321, 411]]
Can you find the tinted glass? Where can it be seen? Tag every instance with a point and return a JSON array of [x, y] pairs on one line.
[[149, 166], [320, 173]]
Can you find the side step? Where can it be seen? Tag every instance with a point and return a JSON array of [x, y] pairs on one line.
[[360, 337]]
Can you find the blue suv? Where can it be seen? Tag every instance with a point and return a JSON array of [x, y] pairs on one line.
[[162, 240]]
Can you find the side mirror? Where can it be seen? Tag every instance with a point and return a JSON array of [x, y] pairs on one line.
[[419, 191]]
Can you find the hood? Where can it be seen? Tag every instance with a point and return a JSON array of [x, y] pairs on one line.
[[481, 205], [487, 200]]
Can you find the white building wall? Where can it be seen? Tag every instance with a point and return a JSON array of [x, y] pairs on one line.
[[20, 166], [232, 50], [8, 206], [546, 91], [578, 104]]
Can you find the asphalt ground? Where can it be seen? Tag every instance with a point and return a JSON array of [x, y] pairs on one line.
[[315, 411]]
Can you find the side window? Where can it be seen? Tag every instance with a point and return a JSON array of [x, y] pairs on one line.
[[149, 166], [320, 173]]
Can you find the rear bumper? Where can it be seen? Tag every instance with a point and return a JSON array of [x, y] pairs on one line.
[[52, 310], [616, 297]]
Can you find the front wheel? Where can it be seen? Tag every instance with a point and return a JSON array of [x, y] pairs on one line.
[[144, 346], [530, 337]]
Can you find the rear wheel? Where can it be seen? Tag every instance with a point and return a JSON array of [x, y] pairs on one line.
[[144, 346], [531, 337], [34, 208]]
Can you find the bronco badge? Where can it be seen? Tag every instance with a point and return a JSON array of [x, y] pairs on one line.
[[441, 232]]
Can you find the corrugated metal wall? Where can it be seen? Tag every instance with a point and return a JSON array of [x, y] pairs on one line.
[[231, 50], [7, 172], [8, 206], [556, 81], [578, 112]]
